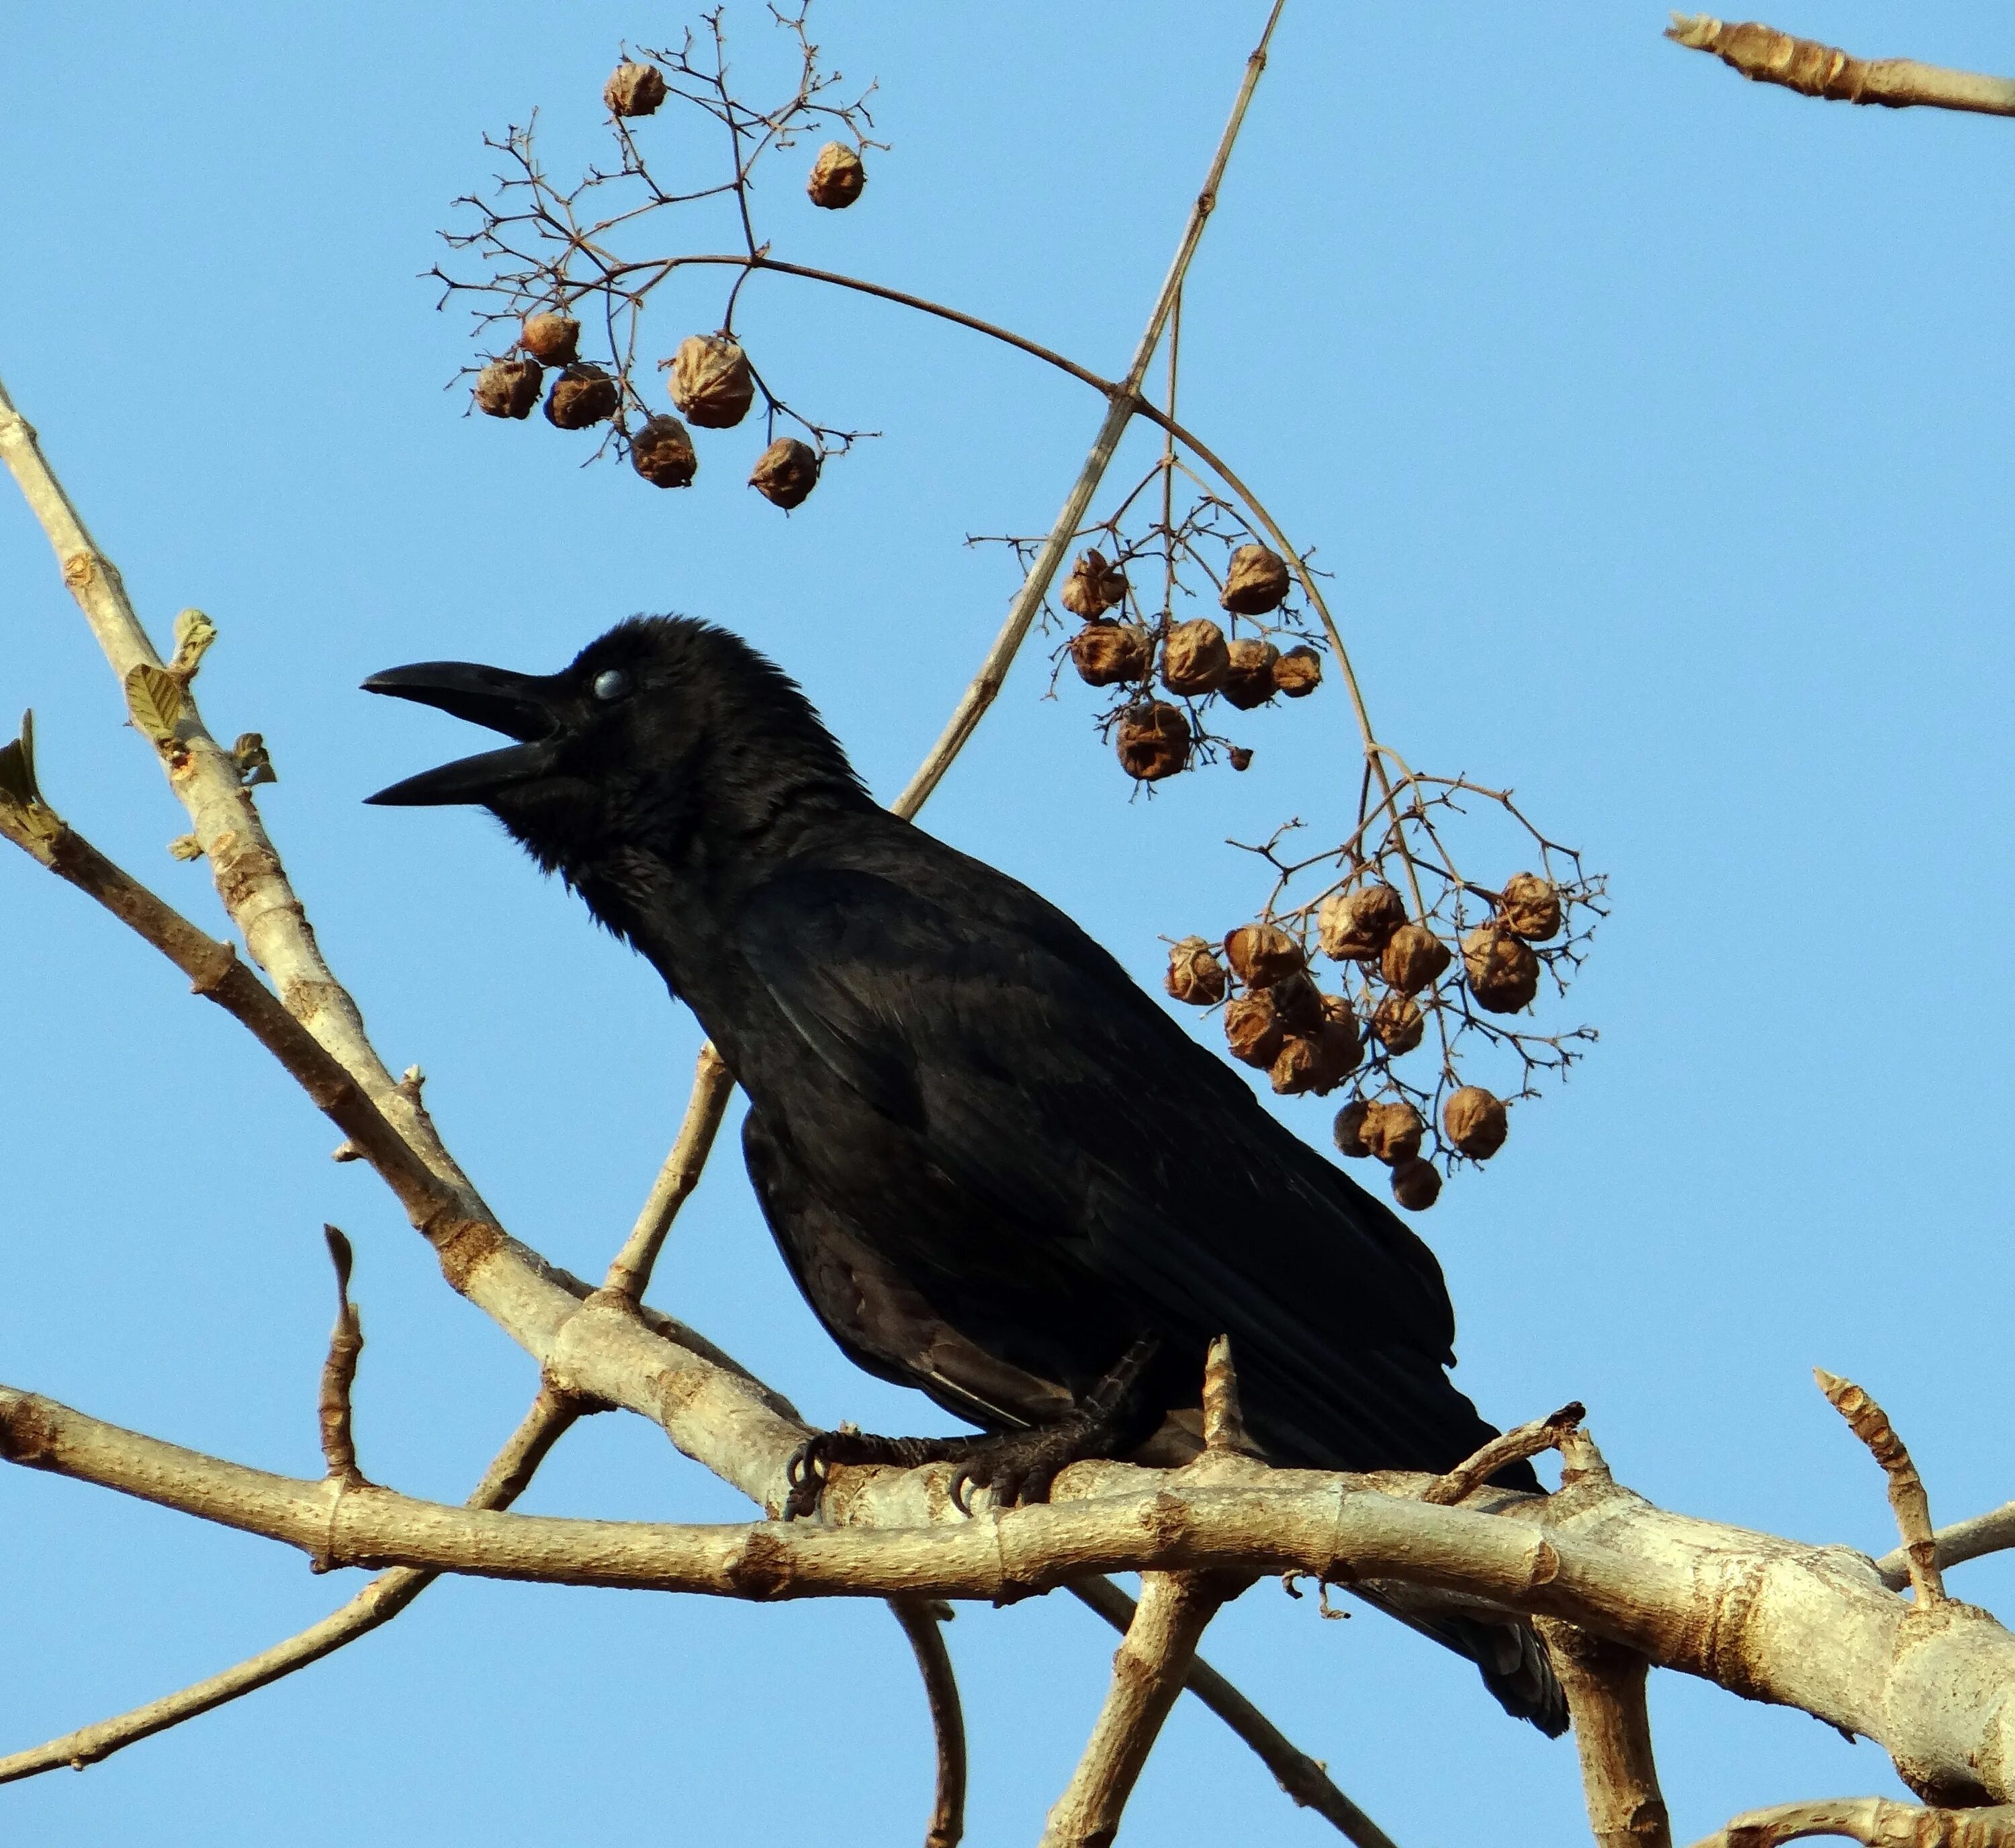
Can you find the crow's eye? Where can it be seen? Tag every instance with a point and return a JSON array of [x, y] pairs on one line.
[[613, 683]]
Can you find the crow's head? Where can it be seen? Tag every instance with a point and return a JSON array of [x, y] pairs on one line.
[[666, 735]]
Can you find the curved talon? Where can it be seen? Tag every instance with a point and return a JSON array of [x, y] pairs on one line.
[[805, 1473]]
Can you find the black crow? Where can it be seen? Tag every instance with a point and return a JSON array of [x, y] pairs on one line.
[[997, 1170]]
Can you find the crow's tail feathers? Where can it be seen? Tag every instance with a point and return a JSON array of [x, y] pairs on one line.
[[1507, 1652]]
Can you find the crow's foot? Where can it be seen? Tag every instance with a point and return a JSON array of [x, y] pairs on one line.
[[827, 1450]]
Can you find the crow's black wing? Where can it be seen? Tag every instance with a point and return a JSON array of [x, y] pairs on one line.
[[1093, 1134]]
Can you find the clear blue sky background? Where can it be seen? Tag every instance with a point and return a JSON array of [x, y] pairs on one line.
[[1656, 428]]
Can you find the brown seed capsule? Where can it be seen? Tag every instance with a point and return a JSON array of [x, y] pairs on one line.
[[1417, 1185], [711, 381], [1262, 954], [1240, 758], [1195, 975], [1299, 672], [1398, 1023], [1248, 677], [552, 339], [1104, 654], [1503, 973], [1257, 582], [1531, 907], [1299, 1002], [634, 90], [509, 387], [1475, 1122], [1355, 926], [661, 452], [1340, 1042], [1392, 1132], [1194, 660], [1094, 586], [1317, 1062], [1251, 1031], [837, 176], [786, 473], [1413, 959], [1153, 741], [1349, 1129], [582, 395]]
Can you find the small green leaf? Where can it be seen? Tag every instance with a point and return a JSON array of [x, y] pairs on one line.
[[155, 698]]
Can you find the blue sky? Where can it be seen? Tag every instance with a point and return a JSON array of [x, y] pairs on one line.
[[1654, 427]]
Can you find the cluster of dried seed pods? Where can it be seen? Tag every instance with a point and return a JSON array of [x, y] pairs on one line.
[[1277, 1017], [1193, 660]]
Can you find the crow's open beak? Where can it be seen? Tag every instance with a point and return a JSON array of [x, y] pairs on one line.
[[520, 705]]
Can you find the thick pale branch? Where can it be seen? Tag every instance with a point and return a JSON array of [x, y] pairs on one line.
[[1305, 1779], [923, 1622], [1605, 1685], [1767, 55], [1880, 1821], [377, 1603], [1148, 1672], [1806, 1627]]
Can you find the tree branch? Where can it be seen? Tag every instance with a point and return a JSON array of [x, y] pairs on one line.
[[1766, 55], [379, 1602], [1870, 1423], [630, 1275], [1880, 1821], [1305, 1779], [923, 1620], [1605, 1685], [1148, 1672], [1993, 1532]]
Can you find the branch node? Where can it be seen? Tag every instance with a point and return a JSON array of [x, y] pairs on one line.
[[1524, 1441]]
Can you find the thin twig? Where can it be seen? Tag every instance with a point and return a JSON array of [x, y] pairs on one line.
[[1870, 1423], [630, 1275], [1148, 1672], [1514, 1447], [1305, 1779], [923, 1621], [1880, 1821], [339, 1371], [1767, 55], [379, 1602], [1604, 1684], [1973, 1538], [986, 684]]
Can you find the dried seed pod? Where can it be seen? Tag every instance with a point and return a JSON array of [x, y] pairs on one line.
[[1094, 586], [1248, 678], [1392, 1132], [582, 395], [1349, 1129], [711, 381], [1317, 1062], [634, 90], [1251, 1031], [1398, 1023], [1355, 926], [1299, 1002], [1262, 954], [661, 452], [1299, 672], [1240, 757], [509, 387], [1194, 660], [786, 473], [1417, 1185], [1104, 654], [1340, 1042], [1475, 1122], [1503, 973], [1413, 959], [1530, 907], [837, 176], [552, 339], [1256, 583], [1153, 740], [1195, 975]]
